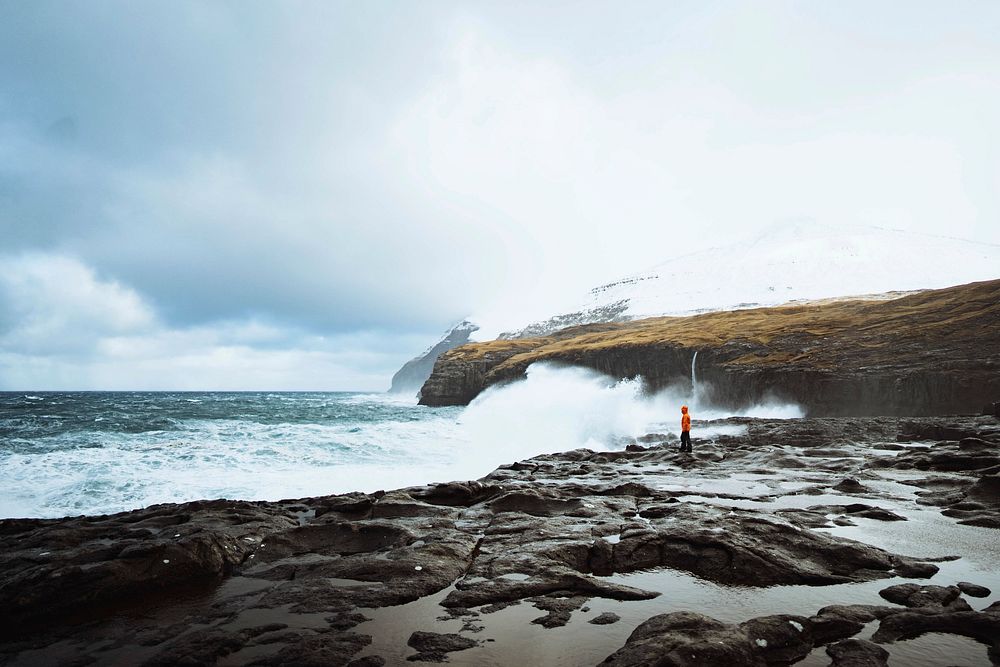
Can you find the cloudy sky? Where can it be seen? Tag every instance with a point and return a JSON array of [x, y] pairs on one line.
[[244, 195]]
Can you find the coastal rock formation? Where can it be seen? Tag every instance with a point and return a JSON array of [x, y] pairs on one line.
[[857, 653], [464, 571], [936, 352], [412, 375]]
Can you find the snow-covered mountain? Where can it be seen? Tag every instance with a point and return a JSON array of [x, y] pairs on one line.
[[415, 372], [789, 262]]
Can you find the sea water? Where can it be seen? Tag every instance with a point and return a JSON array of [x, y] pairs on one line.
[[95, 452], [72, 453]]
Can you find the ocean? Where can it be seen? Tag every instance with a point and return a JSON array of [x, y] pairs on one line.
[[73, 453]]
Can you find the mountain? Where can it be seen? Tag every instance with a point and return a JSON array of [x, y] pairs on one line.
[[788, 263], [933, 352], [415, 372]]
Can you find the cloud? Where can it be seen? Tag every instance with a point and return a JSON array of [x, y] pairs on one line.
[[337, 170], [52, 303], [589, 180], [62, 326]]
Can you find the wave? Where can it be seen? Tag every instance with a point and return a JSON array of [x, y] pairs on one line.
[[335, 444]]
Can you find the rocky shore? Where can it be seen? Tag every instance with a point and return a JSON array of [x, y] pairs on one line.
[[814, 542]]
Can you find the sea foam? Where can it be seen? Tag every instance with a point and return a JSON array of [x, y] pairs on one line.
[[106, 453]]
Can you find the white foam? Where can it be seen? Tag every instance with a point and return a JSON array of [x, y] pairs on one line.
[[554, 409], [558, 408]]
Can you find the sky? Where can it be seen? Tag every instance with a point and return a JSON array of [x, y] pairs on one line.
[[304, 195]]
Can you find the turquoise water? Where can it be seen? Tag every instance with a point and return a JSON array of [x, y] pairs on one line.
[[71, 453], [68, 453]]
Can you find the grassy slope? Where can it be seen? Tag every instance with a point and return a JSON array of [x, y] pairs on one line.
[[931, 327]]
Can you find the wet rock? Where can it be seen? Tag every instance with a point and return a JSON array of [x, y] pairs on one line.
[[96, 562], [397, 505], [352, 505], [498, 606], [981, 519], [858, 613], [983, 627], [559, 609], [919, 429], [199, 647], [986, 489], [974, 590], [857, 653], [556, 580], [317, 650], [534, 503], [950, 462], [605, 618], [367, 661], [977, 445], [877, 513], [809, 518], [434, 647], [455, 494], [780, 638], [829, 628], [907, 567], [396, 575], [687, 638], [628, 489], [850, 485], [740, 547], [337, 538], [915, 595], [858, 510]]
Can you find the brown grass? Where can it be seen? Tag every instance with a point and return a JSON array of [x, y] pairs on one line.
[[874, 331]]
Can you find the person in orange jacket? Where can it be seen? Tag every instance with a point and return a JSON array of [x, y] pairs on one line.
[[685, 429]]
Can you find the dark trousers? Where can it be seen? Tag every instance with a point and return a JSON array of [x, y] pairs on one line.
[[685, 441]]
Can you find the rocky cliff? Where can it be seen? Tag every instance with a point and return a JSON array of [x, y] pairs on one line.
[[412, 375], [929, 353]]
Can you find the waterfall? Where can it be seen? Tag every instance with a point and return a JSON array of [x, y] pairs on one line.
[[694, 377]]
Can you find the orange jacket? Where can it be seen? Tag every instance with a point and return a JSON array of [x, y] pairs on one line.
[[685, 419]]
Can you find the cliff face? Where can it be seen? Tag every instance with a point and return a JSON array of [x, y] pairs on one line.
[[412, 375], [930, 353]]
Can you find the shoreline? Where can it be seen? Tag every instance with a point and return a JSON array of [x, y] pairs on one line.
[[783, 517]]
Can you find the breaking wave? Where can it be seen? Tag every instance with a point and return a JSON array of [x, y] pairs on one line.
[[557, 408], [93, 453]]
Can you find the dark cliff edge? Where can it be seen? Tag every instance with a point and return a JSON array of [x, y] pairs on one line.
[[934, 352], [412, 375]]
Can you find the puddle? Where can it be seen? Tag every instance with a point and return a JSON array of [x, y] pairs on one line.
[[929, 650], [390, 627]]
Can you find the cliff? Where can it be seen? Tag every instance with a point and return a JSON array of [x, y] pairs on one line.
[[929, 353], [788, 263], [412, 375]]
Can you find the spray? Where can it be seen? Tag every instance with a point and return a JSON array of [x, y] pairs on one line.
[[557, 408]]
